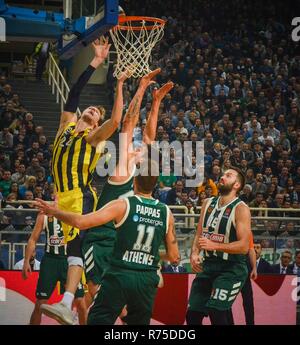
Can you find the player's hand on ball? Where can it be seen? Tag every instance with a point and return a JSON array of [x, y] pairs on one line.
[[206, 244]]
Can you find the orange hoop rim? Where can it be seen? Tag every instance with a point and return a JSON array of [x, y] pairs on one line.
[[125, 19]]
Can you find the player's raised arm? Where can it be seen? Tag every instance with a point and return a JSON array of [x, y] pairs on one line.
[[101, 49], [243, 230], [113, 211], [31, 244], [123, 168], [151, 126]]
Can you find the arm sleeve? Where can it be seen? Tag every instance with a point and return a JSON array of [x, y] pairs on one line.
[[74, 94]]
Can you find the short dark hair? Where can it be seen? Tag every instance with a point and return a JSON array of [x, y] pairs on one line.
[[241, 177], [148, 175]]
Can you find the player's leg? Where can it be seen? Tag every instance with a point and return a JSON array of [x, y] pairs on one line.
[[248, 304], [75, 270], [48, 277], [82, 310], [96, 260], [92, 290], [78, 202], [72, 201], [79, 300], [230, 317], [141, 288], [199, 295], [36, 315], [226, 286], [109, 300]]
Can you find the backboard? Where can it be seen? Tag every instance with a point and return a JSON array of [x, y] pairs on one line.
[[89, 19]]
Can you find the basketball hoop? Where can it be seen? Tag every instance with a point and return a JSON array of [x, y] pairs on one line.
[[134, 38]]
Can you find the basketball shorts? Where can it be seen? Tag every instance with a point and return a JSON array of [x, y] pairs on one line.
[[76, 201], [217, 286], [120, 287], [54, 269], [96, 256]]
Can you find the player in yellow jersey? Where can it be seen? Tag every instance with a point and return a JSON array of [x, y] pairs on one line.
[[77, 148]]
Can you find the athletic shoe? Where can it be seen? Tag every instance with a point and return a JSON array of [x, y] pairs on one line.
[[59, 312]]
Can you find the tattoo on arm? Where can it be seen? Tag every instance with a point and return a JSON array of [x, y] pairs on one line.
[[133, 110]]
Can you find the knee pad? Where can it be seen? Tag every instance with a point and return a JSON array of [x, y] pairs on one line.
[[75, 261]]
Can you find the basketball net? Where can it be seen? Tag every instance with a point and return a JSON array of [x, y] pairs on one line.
[[134, 38]]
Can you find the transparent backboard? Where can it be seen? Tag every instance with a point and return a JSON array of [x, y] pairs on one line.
[[92, 18]]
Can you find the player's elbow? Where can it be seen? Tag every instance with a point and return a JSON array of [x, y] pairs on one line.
[[115, 123], [245, 248]]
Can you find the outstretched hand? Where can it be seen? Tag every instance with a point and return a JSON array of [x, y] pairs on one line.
[[101, 49], [45, 207], [127, 73], [147, 79], [159, 94]]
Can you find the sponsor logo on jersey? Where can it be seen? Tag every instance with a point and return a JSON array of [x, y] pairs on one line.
[[135, 218], [214, 237], [154, 222], [227, 212], [56, 241]]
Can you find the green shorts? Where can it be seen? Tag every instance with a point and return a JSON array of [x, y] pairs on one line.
[[53, 269], [217, 286], [120, 287], [96, 259]]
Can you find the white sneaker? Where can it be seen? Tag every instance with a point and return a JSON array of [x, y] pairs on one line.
[[59, 312]]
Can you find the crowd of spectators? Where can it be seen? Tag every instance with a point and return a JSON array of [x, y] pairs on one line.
[[25, 154], [237, 88]]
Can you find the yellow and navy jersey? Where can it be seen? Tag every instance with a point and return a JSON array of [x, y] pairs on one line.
[[74, 159]]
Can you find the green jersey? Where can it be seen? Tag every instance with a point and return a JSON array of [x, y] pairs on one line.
[[219, 226], [111, 191], [55, 244], [140, 234]]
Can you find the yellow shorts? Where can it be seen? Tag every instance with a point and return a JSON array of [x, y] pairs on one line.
[[77, 201]]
